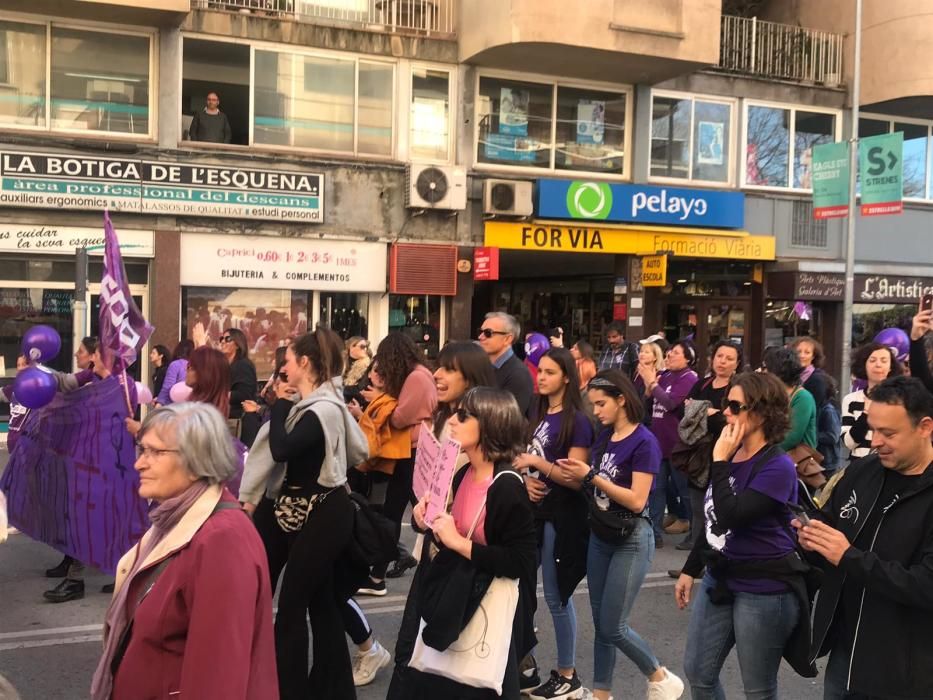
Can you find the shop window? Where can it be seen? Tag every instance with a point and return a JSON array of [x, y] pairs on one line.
[[100, 80], [22, 74], [779, 143], [517, 126], [788, 320], [870, 319], [221, 67], [346, 313], [418, 317], [268, 317], [429, 137], [22, 308], [691, 138]]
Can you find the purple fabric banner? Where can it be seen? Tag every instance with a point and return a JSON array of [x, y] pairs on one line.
[[123, 329], [70, 480]]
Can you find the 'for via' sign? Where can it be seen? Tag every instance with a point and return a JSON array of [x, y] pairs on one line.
[[654, 270]]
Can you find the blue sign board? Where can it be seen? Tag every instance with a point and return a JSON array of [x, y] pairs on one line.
[[643, 204]]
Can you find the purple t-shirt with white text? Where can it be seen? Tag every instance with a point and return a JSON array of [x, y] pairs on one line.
[[639, 452], [546, 438], [766, 538]]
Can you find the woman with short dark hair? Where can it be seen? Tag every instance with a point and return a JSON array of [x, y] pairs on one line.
[[872, 363], [160, 357], [750, 596], [783, 364], [235, 347]]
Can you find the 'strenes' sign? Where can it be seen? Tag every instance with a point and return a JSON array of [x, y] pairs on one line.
[[66, 181], [602, 201]]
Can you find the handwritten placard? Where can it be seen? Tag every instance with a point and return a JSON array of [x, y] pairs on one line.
[[426, 455], [440, 483]]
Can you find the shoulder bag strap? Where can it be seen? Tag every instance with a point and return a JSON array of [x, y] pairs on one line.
[[479, 512]]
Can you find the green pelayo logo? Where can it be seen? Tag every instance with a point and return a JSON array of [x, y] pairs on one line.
[[589, 200]]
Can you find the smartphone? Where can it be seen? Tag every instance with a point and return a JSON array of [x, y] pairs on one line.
[[926, 302], [800, 513]]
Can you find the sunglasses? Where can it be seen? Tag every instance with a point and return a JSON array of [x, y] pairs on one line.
[[362, 346], [735, 407], [463, 414], [226, 339], [489, 332]]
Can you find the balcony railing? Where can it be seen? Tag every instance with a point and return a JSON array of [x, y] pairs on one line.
[[426, 17], [780, 51]]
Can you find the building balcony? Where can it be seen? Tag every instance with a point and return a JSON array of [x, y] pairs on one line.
[[158, 13], [432, 18], [773, 51], [619, 41]]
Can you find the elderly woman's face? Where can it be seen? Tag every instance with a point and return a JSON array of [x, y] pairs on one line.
[[162, 474]]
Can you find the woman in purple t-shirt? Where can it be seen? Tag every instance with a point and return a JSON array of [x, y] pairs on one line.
[[626, 458], [747, 527], [563, 430]]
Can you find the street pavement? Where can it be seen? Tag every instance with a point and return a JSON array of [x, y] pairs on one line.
[[49, 652]]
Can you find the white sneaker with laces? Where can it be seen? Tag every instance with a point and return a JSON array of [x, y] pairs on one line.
[[366, 664], [670, 688]]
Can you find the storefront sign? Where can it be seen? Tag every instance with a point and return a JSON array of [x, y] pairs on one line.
[[830, 180], [486, 264], [65, 181], [881, 165], [631, 240], [654, 271], [603, 201], [891, 288], [64, 240], [265, 262]]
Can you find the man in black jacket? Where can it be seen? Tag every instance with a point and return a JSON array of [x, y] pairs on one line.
[[874, 538], [498, 332]]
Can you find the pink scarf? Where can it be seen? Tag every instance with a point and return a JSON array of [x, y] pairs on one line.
[[164, 518], [807, 373]]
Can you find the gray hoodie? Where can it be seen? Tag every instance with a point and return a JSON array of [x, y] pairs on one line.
[[345, 445]]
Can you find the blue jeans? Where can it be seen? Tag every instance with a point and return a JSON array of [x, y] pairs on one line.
[[756, 625], [564, 616], [615, 575], [670, 484]]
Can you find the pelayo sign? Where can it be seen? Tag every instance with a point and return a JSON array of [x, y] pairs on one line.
[[66, 181], [603, 201]]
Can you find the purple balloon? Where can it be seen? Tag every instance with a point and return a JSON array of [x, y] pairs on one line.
[[535, 347], [41, 344], [34, 387], [897, 340]]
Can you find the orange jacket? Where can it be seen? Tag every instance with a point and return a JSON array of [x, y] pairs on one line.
[[386, 444]]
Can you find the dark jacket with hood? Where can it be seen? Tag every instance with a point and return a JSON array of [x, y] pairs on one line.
[[892, 654]]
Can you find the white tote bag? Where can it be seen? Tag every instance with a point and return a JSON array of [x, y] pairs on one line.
[[479, 655]]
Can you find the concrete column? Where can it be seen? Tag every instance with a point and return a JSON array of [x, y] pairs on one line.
[[169, 87], [641, 134], [165, 289]]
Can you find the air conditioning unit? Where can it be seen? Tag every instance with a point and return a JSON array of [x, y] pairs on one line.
[[508, 197], [435, 187]]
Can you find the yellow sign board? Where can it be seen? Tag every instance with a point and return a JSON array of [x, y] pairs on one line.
[[634, 240], [654, 271]]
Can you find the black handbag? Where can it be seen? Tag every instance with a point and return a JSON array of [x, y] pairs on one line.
[[611, 526]]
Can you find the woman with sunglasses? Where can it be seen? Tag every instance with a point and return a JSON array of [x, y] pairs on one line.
[[489, 427], [747, 597], [359, 357], [563, 430], [234, 346], [626, 460]]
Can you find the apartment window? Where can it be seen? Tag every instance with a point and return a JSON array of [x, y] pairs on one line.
[[223, 68], [100, 80], [779, 143], [807, 232], [691, 138], [918, 180], [316, 102], [429, 119], [550, 126]]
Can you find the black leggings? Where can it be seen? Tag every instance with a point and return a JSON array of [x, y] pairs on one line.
[[308, 584], [398, 496]]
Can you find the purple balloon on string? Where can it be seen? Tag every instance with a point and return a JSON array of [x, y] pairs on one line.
[[535, 347], [897, 340], [34, 387], [41, 344]]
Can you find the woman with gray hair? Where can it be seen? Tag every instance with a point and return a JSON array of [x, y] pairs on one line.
[[198, 575]]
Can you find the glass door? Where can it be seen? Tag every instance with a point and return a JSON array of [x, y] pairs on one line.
[[706, 322]]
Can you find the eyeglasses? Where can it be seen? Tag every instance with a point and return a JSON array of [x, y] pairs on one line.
[[152, 452], [226, 339], [489, 332], [734, 407], [463, 414], [362, 346]]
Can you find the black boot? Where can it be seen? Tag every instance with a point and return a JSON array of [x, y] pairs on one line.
[[401, 566], [60, 571], [68, 589]]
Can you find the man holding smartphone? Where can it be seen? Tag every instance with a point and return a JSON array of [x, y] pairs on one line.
[[874, 541]]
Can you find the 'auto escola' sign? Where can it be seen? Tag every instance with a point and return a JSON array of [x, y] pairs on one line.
[[647, 204]]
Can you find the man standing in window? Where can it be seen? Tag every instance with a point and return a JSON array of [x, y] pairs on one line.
[[496, 336], [210, 124], [619, 354]]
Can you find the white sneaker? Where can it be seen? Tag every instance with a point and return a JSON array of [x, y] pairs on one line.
[[367, 664], [670, 688]]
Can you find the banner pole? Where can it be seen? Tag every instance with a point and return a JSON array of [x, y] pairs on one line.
[[79, 306]]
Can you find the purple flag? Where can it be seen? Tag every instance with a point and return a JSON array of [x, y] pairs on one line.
[[70, 480], [123, 329]]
